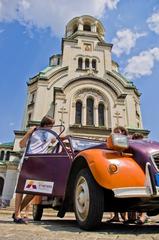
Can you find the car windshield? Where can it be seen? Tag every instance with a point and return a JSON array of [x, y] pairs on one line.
[[81, 144]]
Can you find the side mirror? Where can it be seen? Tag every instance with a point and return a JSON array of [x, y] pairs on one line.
[[117, 142]]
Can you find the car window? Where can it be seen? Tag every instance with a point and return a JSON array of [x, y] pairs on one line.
[[81, 144]]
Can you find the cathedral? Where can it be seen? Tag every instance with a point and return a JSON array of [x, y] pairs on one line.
[[82, 89]]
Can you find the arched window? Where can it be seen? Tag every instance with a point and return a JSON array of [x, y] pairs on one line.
[[78, 117], [7, 156], [1, 185], [2, 156], [87, 63], [94, 65], [87, 27], [101, 114], [80, 62], [90, 112]]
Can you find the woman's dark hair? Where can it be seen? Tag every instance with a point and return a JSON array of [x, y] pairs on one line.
[[137, 136], [46, 121], [120, 130]]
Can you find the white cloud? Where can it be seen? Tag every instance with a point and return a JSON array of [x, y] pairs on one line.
[[125, 41], [142, 64], [51, 14], [153, 22]]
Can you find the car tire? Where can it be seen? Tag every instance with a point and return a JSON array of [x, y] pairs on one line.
[[88, 201], [37, 212]]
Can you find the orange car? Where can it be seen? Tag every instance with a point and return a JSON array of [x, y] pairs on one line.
[[91, 177]]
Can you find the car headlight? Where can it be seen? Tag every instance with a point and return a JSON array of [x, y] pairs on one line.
[[117, 142]]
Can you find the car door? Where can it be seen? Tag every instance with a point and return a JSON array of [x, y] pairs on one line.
[[45, 173]]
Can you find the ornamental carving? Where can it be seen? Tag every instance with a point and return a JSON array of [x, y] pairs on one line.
[[86, 92]]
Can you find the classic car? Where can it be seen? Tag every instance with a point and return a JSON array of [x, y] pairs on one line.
[[91, 177]]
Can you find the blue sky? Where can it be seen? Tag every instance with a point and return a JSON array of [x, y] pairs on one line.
[[29, 35]]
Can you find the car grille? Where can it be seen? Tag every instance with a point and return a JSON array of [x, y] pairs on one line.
[[156, 160]]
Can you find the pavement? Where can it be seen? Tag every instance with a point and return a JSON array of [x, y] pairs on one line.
[[53, 228]]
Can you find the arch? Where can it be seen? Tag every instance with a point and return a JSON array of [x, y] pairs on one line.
[[2, 155], [78, 112], [1, 185], [90, 111], [87, 63], [83, 87], [7, 156], [112, 87], [101, 110], [80, 62]]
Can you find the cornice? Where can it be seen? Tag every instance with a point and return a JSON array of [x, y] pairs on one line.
[[46, 76], [104, 44], [145, 132], [125, 83], [19, 132]]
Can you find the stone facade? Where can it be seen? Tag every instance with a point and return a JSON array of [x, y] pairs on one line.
[[82, 88]]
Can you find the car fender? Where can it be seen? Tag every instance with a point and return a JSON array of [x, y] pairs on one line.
[[128, 174]]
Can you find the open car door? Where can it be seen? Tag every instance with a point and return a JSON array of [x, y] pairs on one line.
[[45, 173]]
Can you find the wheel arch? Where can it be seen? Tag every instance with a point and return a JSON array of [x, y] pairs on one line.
[[78, 164]]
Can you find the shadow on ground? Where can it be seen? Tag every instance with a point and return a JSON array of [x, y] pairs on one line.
[[72, 226]]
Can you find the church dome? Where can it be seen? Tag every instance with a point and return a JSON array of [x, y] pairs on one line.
[[85, 23]]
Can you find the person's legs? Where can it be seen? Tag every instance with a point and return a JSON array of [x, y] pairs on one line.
[[124, 216], [142, 218], [26, 211], [27, 199], [114, 217], [18, 201], [132, 216], [17, 214]]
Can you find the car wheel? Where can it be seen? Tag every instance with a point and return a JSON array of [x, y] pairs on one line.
[[37, 212], [88, 200]]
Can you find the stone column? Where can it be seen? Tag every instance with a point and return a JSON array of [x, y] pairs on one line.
[[73, 113], [80, 27], [106, 117], [83, 63], [84, 113], [96, 123], [93, 28], [10, 182]]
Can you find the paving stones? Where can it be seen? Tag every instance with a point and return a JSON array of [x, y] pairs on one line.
[[53, 228]]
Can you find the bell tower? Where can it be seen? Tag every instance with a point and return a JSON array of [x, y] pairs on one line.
[[84, 24]]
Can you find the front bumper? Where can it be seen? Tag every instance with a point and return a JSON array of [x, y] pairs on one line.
[[148, 191], [135, 192]]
